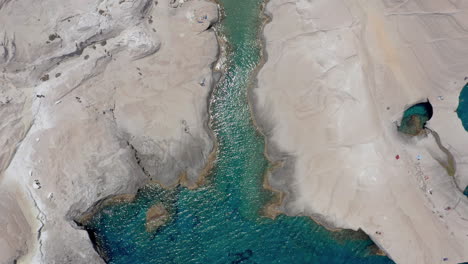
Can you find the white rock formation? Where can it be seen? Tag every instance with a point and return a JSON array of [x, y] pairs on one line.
[[338, 75], [96, 98]]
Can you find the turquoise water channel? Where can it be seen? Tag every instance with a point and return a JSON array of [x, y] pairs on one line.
[[221, 221]]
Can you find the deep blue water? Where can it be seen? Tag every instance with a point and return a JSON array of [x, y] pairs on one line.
[[462, 112], [222, 221], [462, 109]]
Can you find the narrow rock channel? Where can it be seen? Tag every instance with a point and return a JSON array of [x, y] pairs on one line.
[[224, 220]]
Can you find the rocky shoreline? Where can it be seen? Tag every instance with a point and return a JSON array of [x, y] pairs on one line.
[[326, 100], [110, 98], [100, 99]]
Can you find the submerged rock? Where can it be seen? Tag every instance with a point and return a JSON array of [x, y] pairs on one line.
[[156, 216], [415, 118]]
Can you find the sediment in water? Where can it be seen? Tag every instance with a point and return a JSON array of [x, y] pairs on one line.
[[415, 117]]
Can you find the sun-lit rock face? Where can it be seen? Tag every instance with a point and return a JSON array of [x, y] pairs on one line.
[[96, 98], [338, 77]]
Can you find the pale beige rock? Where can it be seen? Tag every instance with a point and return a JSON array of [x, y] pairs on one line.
[[97, 97], [14, 228], [333, 69]]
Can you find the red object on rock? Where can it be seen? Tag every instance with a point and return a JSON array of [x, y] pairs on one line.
[[397, 157]]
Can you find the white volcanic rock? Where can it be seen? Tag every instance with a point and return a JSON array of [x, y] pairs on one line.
[[140, 44], [14, 229], [339, 75], [96, 98]]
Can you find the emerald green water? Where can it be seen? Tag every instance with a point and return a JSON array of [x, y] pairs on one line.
[[415, 118], [222, 222]]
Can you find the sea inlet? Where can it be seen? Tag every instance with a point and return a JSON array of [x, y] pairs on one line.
[[223, 221]]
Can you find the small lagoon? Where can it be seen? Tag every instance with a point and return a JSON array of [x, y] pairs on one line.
[[222, 221], [415, 118]]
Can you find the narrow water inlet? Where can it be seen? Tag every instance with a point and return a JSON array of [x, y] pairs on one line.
[[413, 123], [222, 221], [450, 164]]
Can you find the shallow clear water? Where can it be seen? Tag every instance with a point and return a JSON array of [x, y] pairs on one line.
[[222, 222]]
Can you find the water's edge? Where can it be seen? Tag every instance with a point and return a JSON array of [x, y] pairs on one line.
[[282, 168], [280, 164], [104, 202]]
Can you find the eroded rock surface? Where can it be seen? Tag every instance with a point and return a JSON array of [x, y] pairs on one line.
[[338, 76], [96, 98]]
